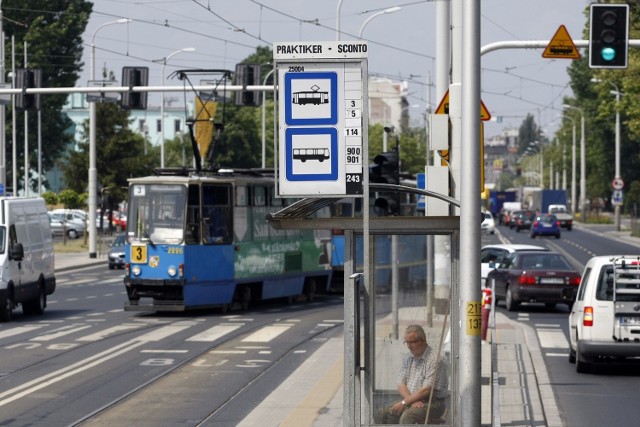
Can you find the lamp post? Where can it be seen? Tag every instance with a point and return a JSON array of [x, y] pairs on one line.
[[615, 92], [93, 174], [573, 165], [164, 64], [583, 163], [338, 20], [264, 121], [383, 12]]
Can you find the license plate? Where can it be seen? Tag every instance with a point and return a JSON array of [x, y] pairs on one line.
[[630, 320], [552, 280]]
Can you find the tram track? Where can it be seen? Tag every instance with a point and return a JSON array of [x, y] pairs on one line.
[[127, 401]]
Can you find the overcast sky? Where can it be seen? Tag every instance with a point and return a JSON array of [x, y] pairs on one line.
[[401, 45]]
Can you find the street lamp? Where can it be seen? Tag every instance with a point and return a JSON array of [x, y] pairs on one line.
[[583, 163], [264, 120], [615, 92], [164, 64], [338, 20], [573, 165], [93, 174], [383, 12]]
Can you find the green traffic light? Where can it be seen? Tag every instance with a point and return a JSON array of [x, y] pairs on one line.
[[608, 53]]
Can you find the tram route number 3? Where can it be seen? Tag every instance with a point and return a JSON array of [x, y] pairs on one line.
[[474, 318], [139, 254]]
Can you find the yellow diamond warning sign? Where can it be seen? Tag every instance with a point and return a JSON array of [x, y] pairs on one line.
[[561, 46]]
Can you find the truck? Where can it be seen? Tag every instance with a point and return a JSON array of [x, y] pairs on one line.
[[542, 199], [497, 200], [563, 215]]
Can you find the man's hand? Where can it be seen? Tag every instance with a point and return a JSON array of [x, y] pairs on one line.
[[397, 408]]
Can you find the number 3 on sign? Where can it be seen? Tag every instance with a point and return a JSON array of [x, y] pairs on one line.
[[474, 318]]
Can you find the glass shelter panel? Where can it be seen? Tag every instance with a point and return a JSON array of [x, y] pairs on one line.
[[410, 350]]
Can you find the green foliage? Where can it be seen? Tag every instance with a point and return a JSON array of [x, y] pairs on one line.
[[53, 32], [50, 198], [632, 199], [70, 199], [120, 155]]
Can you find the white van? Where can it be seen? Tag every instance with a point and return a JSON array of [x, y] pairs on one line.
[[26, 256]]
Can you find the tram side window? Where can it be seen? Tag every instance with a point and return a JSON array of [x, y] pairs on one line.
[[216, 214], [192, 235], [259, 196]]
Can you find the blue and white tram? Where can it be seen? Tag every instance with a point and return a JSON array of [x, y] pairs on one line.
[[201, 240]]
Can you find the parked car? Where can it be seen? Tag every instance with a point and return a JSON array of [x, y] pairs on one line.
[[60, 224], [492, 255], [488, 223], [116, 252], [535, 276], [545, 225], [604, 321]]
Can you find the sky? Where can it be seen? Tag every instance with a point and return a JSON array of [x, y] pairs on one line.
[[401, 44]]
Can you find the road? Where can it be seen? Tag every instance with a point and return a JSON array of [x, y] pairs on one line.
[[607, 396], [86, 361]]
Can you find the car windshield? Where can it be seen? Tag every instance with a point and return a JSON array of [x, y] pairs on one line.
[[119, 241], [157, 212], [542, 261]]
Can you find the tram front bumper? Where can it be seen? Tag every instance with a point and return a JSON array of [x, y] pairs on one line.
[[162, 295]]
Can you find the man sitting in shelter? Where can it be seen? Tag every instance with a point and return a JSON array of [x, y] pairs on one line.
[[422, 373]]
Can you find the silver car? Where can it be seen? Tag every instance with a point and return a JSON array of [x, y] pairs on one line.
[[60, 225]]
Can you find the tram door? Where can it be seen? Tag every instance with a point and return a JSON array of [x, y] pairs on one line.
[[398, 328]]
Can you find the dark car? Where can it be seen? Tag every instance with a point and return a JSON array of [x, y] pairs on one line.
[[116, 252], [535, 276], [523, 220], [545, 225]]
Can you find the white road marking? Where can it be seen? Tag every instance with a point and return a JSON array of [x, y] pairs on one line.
[[268, 333], [552, 338], [109, 331], [214, 333], [19, 330], [61, 332]]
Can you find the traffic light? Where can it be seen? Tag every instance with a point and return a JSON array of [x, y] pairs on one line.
[[609, 36], [27, 78], [386, 170], [134, 76], [248, 75]]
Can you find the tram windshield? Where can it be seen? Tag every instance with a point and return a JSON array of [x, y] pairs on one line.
[[157, 213]]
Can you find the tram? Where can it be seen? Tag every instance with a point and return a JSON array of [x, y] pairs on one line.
[[200, 240]]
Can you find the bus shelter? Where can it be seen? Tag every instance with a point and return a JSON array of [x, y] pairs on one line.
[[412, 279]]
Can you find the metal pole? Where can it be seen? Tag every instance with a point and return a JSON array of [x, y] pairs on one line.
[[26, 138], [3, 125], [338, 20], [470, 384], [264, 120], [383, 12], [573, 170], [164, 64], [14, 148], [583, 169], [617, 171], [39, 152], [93, 173]]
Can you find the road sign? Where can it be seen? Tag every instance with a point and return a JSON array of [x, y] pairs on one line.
[[617, 184], [561, 46], [322, 107], [617, 198], [443, 108]]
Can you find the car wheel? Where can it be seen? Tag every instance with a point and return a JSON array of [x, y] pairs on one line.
[[36, 305], [72, 234], [569, 228], [558, 236], [533, 235], [6, 306], [572, 355], [509, 302], [111, 266]]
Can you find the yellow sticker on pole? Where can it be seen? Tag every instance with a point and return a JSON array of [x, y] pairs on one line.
[[473, 321]]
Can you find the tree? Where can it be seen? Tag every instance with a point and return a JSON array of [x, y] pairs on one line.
[[120, 155], [52, 31], [528, 133]]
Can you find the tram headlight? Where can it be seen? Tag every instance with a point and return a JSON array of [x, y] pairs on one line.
[[135, 270], [172, 271]]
